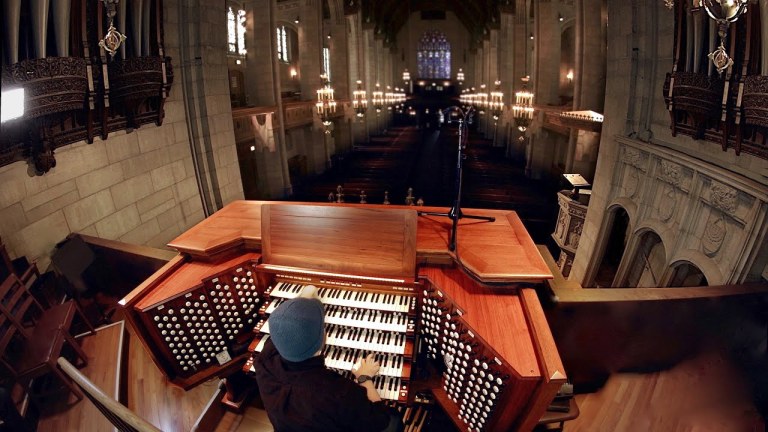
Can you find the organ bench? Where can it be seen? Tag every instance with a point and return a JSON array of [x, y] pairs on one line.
[[466, 325]]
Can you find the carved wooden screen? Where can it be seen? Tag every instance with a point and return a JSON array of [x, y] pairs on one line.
[[74, 90], [731, 108]]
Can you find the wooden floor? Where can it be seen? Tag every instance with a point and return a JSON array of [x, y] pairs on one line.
[[149, 394], [701, 394], [102, 370]]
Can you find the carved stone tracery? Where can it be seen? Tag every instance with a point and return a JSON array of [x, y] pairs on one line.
[[723, 197]]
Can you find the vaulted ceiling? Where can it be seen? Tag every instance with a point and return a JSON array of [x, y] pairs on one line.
[[389, 16]]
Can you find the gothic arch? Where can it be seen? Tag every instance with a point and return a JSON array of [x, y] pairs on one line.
[[645, 260], [706, 265], [605, 239]]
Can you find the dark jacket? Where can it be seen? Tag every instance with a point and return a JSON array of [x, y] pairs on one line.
[[305, 396]]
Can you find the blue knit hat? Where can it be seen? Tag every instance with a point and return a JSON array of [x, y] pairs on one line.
[[297, 328]]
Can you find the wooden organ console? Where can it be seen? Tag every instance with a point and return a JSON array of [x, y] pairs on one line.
[[473, 334]]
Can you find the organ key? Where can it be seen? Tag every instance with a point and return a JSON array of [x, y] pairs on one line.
[[341, 297]]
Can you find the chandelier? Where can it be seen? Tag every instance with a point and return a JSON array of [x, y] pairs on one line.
[[460, 76], [723, 12], [481, 100], [522, 110], [359, 100], [377, 98], [496, 103], [326, 105], [406, 76]]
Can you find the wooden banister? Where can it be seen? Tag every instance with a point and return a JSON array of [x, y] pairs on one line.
[[117, 413]]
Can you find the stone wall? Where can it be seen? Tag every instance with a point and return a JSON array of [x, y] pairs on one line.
[[137, 187], [639, 54]]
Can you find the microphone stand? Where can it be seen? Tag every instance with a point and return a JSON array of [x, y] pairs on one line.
[[455, 213]]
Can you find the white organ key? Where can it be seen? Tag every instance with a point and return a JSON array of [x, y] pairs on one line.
[[340, 297]]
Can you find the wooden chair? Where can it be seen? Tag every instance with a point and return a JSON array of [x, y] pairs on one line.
[[32, 340], [119, 415]]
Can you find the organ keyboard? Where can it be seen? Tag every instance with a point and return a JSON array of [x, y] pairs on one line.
[[360, 319], [485, 353]]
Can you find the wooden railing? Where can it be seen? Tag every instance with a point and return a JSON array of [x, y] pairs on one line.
[[601, 331]]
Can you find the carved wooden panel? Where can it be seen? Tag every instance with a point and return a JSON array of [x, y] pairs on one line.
[[728, 108], [83, 91]]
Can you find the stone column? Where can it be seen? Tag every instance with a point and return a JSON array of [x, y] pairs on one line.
[[355, 44], [546, 77], [310, 48], [589, 86], [204, 85], [259, 85]]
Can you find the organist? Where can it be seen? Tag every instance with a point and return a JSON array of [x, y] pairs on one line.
[[297, 390]]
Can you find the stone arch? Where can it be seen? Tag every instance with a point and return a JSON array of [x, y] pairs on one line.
[[603, 271], [705, 264], [645, 261], [683, 273]]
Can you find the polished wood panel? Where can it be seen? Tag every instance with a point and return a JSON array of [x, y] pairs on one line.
[[499, 251], [553, 372], [497, 316], [349, 240], [185, 277]]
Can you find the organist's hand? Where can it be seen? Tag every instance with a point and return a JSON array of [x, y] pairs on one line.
[[309, 291], [366, 366]]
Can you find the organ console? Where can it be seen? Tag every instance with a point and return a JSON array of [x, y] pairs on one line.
[[465, 325]]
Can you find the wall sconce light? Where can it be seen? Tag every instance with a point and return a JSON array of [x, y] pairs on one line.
[[569, 76], [329, 35], [293, 73], [560, 18], [238, 61], [296, 20], [531, 36]]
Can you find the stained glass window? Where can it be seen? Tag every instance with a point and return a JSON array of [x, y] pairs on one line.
[[231, 31], [241, 32], [434, 55], [282, 45], [236, 31], [327, 63]]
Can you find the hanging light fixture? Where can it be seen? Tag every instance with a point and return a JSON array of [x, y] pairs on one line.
[[522, 110], [496, 103], [481, 100], [113, 38], [723, 12], [359, 100], [326, 104], [377, 98], [406, 76], [460, 76]]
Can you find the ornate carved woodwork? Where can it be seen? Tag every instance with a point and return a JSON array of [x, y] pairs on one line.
[[84, 92], [139, 86], [570, 222], [698, 97], [728, 110]]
